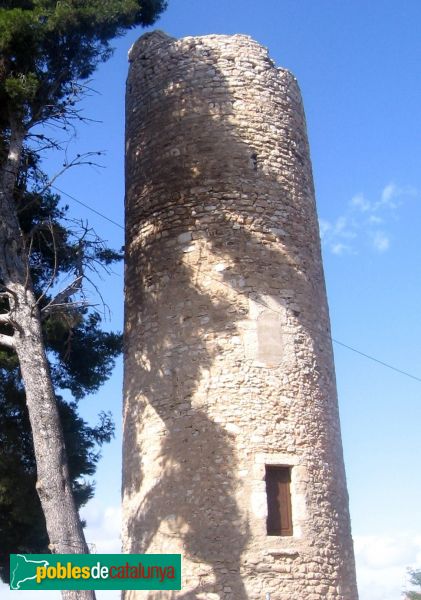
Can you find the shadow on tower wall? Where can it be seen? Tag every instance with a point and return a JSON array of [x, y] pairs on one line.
[[197, 165]]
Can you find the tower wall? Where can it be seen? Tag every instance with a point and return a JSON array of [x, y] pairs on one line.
[[228, 358]]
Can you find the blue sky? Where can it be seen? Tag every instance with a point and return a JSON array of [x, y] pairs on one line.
[[358, 66]]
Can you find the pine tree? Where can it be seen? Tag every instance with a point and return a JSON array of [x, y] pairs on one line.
[[81, 356], [48, 50], [22, 523], [415, 578]]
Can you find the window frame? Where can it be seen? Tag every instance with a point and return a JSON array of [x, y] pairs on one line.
[[279, 521]]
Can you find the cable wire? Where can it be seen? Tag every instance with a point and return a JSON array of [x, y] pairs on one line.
[[88, 207], [377, 360]]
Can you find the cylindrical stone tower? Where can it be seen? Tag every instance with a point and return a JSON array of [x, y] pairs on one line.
[[232, 446]]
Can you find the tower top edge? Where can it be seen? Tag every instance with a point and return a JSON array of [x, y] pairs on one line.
[[149, 40], [155, 41]]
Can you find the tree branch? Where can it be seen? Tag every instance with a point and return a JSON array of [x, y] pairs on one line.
[[80, 159], [66, 306], [62, 296], [7, 340], [53, 276]]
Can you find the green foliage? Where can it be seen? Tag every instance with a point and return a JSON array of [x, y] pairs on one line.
[[81, 359], [415, 580], [21, 88], [84, 353], [48, 47], [22, 524]]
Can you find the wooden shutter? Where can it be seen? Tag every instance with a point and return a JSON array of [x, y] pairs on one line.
[[278, 490]]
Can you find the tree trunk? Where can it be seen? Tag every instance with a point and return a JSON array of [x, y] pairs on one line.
[[53, 481]]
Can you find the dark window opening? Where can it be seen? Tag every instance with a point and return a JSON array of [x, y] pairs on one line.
[[278, 492], [253, 161]]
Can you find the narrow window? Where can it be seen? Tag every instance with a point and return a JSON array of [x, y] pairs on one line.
[[279, 521]]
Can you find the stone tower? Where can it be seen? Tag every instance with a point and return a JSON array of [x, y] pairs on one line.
[[232, 446]]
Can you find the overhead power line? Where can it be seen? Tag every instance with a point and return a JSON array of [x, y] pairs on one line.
[[347, 346], [88, 207], [380, 362]]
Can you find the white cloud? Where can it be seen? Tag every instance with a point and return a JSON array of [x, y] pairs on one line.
[[392, 195], [339, 248], [375, 220], [103, 527], [361, 203], [324, 227], [340, 225], [383, 562], [389, 191], [381, 241], [358, 226]]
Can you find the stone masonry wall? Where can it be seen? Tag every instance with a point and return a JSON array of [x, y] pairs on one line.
[[228, 358]]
